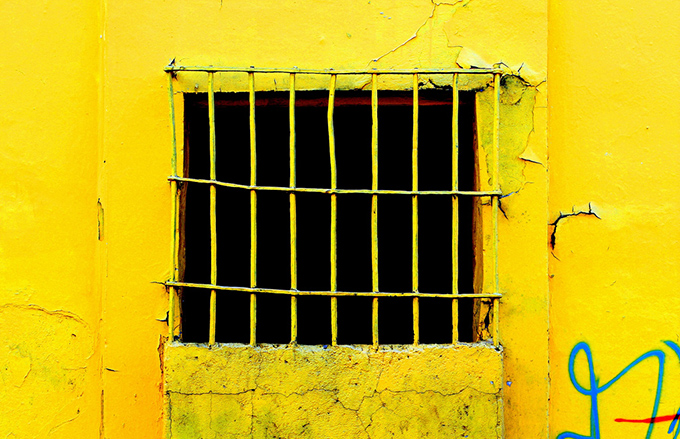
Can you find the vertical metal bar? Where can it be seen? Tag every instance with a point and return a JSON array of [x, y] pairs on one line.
[[175, 211], [374, 202], [293, 212], [334, 212], [414, 216], [253, 319], [213, 209], [293, 320], [454, 208], [495, 184], [253, 209], [172, 290], [374, 317]]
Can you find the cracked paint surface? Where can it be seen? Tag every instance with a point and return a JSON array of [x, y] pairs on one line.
[[614, 281], [239, 391], [84, 224], [562, 216], [441, 34], [46, 384], [518, 99]]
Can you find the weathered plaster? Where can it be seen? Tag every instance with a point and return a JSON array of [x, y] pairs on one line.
[[85, 119], [309, 391], [517, 123], [44, 357], [436, 42]]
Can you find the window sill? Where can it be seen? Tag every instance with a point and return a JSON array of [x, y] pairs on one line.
[[350, 391]]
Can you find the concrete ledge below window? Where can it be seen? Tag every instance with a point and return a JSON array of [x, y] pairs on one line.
[[343, 391]]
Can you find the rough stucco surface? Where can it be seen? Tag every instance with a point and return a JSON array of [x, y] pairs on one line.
[[85, 218], [238, 391], [45, 384]]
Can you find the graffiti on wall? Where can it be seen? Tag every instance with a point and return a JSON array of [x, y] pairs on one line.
[[593, 389]]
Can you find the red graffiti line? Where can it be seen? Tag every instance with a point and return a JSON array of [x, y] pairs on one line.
[[648, 420]]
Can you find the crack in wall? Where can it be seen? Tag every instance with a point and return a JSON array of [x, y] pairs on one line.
[[464, 56], [308, 392], [210, 392], [47, 353], [162, 340], [63, 423], [303, 393], [435, 7], [357, 412], [562, 215], [375, 393], [411, 38], [57, 313]]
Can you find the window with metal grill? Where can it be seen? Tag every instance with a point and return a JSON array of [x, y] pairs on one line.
[[330, 217]]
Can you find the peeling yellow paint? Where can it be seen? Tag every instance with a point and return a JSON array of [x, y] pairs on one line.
[[85, 223], [84, 126], [517, 116]]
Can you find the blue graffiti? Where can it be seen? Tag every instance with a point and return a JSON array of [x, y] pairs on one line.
[[673, 423], [595, 389]]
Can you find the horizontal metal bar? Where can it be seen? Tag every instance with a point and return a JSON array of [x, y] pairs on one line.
[[329, 293], [216, 69], [336, 191]]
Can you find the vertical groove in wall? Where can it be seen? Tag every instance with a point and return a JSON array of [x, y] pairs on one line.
[[101, 266]]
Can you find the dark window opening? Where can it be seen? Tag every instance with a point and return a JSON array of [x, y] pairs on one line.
[[353, 152]]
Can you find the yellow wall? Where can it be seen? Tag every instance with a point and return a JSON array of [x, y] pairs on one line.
[[84, 226], [83, 118], [50, 298], [614, 130]]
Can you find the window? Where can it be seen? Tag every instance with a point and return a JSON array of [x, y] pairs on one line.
[[318, 217]]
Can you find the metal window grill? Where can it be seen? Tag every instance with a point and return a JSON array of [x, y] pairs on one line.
[[174, 284]]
